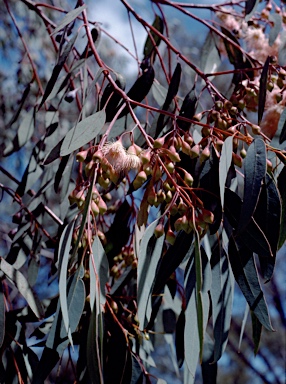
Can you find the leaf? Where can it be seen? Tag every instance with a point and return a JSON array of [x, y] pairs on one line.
[[19, 109], [19, 280], [169, 320], [209, 369], [92, 351], [235, 55], [57, 69], [245, 273], [263, 89], [256, 332], [268, 217], [250, 7], [159, 93], [222, 290], [137, 373], [282, 127], [99, 272], [179, 341], [172, 92], [209, 56], [254, 172], [252, 235], [69, 17], [2, 315], [188, 109], [149, 45], [224, 164], [275, 18], [282, 189], [85, 131], [24, 133], [197, 307], [64, 253], [53, 154], [282, 49], [148, 258], [172, 259]]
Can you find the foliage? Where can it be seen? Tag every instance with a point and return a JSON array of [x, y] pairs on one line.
[[182, 171]]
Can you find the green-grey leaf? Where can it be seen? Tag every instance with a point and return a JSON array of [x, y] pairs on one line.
[[254, 172], [276, 18], [25, 132], [64, 253], [250, 7], [2, 315], [149, 255], [224, 164], [23, 287], [99, 272], [85, 131], [281, 130], [263, 89], [222, 296], [69, 17], [159, 93]]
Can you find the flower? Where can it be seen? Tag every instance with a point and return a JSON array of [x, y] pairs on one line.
[[118, 158]]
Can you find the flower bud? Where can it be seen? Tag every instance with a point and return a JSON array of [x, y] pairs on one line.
[[158, 143], [195, 151], [81, 156], [170, 237], [159, 230], [188, 179], [205, 154]]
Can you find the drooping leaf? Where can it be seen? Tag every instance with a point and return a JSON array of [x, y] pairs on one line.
[[263, 89], [188, 109], [250, 7], [180, 344], [282, 189], [256, 332], [19, 280], [99, 272], [254, 172], [268, 216], [149, 45], [19, 109], [171, 260], [85, 131], [95, 35], [69, 17], [209, 181], [137, 373], [245, 273], [172, 92], [64, 253], [2, 315], [159, 93], [282, 127], [24, 133], [112, 97], [94, 364], [252, 235], [197, 307], [57, 69], [222, 290], [276, 19], [235, 55], [282, 49], [139, 89], [224, 164], [209, 369], [210, 56], [149, 256], [169, 320]]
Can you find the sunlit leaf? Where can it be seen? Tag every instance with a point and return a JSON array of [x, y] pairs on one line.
[[85, 131], [149, 255], [224, 164], [64, 253], [69, 17], [17, 278]]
